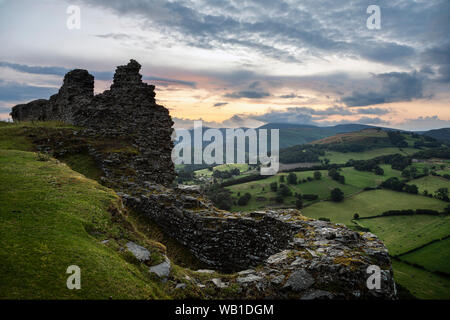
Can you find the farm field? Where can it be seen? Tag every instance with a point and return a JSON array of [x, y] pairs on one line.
[[433, 257], [370, 203], [430, 183], [404, 233], [341, 157], [355, 182], [243, 167], [422, 284]]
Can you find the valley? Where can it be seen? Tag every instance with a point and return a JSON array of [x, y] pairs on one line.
[[414, 222]]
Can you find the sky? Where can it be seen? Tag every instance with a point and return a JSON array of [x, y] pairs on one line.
[[242, 63]]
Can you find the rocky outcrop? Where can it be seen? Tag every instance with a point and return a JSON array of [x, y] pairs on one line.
[[292, 256], [128, 109]]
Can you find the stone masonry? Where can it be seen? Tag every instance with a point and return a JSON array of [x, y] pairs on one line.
[[127, 109]]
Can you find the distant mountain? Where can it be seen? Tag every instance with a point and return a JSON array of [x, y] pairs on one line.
[[296, 134], [286, 126], [439, 134]]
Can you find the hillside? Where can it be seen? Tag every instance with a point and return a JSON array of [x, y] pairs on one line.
[[40, 239], [362, 136], [439, 134], [53, 217]]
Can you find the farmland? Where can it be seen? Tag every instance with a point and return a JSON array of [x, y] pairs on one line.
[[371, 203]]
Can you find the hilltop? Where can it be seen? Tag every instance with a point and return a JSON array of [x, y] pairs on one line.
[[258, 254]]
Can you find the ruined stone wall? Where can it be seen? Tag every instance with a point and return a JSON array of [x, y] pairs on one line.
[[218, 238], [296, 257], [127, 109]]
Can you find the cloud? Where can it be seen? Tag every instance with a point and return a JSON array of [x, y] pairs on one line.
[[99, 75], [290, 96], [220, 104], [370, 120], [286, 30], [247, 94], [395, 87], [439, 58], [301, 115], [376, 111], [236, 121], [5, 109], [115, 36], [425, 123], [18, 92]]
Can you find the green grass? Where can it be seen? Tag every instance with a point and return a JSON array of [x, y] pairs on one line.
[[14, 136], [370, 203], [84, 164], [422, 284], [356, 181], [243, 167], [341, 157], [430, 183], [404, 233], [52, 217], [433, 257]]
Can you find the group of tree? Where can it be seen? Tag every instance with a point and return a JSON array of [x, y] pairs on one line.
[[220, 196], [413, 173], [366, 165], [337, 195], [335, 175], [411, 212], [301, 153], [226, 174], [397, 185], [243, 200], [397, 139]]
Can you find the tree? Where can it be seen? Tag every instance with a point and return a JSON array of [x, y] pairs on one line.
[[379, 171], [242, 201], [356, 216], [442, 194], [317, 175], [274, 186], [299, 203], [411, 188], [292, 178], [284, 191], [406, 173], [281, 178], [279, 198], [393, 184], [337, 195]]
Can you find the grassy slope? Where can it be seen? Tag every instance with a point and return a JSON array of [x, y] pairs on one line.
[[223, 167], [433, 257], [430, 183], [355, 182], [341, 157], [403, 233], [422, 284], [52, 217], [370, 203]]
